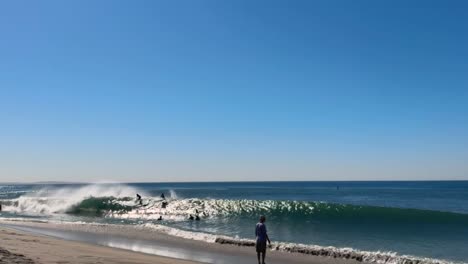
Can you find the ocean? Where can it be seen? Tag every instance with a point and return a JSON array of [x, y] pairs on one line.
[[424, 219]]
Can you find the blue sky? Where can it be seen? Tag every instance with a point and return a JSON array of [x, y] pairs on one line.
[[233, 90]]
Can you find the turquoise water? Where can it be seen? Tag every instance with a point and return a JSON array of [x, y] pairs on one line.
[[426, 219]]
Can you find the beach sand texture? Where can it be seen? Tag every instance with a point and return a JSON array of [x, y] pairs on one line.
[[20, 247], [23, 246]]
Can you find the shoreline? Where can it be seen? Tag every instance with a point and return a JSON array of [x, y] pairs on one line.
[[341, 227], [154, 243], [27, 248]]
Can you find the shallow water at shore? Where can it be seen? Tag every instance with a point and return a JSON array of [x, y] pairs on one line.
[[157, 243], [426, 219]]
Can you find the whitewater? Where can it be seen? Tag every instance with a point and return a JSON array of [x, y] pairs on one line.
[[356, 228]]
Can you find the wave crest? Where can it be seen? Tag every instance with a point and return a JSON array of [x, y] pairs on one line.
[[119, 201], [51, 201]]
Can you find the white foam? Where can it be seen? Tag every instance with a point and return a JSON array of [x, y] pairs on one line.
[[379, 257], [58, 201], [50, 201], [182, 208]]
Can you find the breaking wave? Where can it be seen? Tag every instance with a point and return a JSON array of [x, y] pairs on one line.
[[119, 201], [68, 199], [378, 257]]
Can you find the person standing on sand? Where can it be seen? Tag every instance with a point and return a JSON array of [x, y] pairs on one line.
[[262, 238]]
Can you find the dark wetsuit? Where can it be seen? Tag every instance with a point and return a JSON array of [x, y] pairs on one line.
[[139, 199]]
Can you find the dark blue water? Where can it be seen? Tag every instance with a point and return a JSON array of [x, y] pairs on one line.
[[428, 219]]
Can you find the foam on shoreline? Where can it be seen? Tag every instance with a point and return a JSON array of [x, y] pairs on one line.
[[313, 250], [117, 203]]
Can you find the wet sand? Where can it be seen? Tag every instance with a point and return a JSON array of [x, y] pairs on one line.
[[26, 248], [81, 243]]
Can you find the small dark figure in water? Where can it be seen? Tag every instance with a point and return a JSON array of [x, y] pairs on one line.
[[164, 204], [162, 196], [0, 207], [262, 238], [197, 215], [139, 200], [160, 218], [190, 217]]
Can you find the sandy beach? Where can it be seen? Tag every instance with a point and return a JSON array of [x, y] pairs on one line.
[[232, 132], [57, 243], [23, 247]]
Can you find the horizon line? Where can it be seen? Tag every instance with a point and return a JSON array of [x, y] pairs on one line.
[[272, 181]]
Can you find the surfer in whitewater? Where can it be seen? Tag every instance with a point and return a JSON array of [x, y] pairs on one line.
[[164, 203], [197, 215], [139, 200], [262, 238]]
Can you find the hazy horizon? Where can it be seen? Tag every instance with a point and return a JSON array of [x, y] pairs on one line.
[[221, 182], [185, 91]]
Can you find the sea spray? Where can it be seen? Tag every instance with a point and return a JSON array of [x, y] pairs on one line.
[[173, 194], [431, 233], [119, 202], [61, 200]]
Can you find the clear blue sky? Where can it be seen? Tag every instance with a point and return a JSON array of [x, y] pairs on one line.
[[233, 90]]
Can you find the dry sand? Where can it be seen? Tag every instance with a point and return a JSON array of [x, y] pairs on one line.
[[26, 242], [21, 247]]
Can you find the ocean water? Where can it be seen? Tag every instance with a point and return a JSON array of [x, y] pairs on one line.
[[422, 219]]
